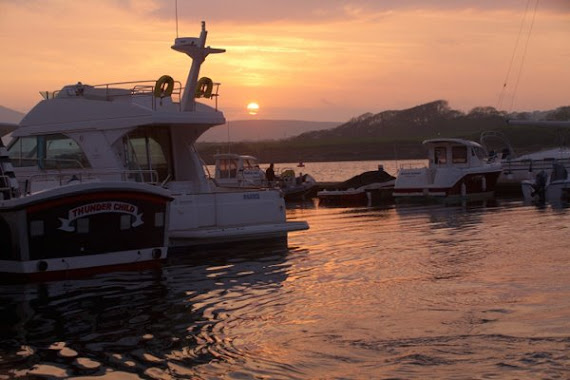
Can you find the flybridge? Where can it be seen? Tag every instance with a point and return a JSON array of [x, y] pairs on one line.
[[159, 94]]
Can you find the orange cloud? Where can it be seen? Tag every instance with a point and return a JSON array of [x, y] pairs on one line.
[[336, 65]]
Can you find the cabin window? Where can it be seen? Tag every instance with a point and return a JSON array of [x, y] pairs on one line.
[[148, 153], [125, 222], [440, 155], [459, 154], [82, 226], [23, 152], [227, 168], [249, 164], [479, 152], [47, 152], [36, 228], [159, 219], [61, 152]]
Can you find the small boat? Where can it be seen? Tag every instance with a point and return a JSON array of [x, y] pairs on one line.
[[79, 228], [297, 188], [145, 131], [458, 170], [552, 187], [363, 189]]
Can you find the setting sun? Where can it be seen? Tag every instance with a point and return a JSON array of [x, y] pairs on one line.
[[253, 108]]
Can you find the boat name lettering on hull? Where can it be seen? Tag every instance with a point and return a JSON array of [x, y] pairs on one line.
[[100, 208], [251, 196]]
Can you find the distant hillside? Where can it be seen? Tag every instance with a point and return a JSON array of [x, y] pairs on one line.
[[426, 121], [256, 130], [398, 134], [10, 116]]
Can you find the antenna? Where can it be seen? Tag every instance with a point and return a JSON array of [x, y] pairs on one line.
[[176, 14]]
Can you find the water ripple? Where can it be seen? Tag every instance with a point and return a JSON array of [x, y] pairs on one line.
[[369, 292]]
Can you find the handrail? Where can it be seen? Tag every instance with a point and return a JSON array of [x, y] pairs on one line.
[[53, 163], [138, 88], [69, 177]]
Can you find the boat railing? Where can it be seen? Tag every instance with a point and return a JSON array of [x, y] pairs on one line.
[[412, 165], [530, 165], [50, 163], [133, 89], [49, 180]]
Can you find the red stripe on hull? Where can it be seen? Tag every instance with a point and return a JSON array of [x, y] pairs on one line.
[[8, 277]]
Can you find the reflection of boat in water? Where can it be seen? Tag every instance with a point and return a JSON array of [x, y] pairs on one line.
[[458, 169], [363, 189], [552, 186], [79, 228], [145, 132], [193, 294]]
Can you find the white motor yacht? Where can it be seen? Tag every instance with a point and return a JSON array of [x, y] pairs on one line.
[[458, 169], [145, 131]]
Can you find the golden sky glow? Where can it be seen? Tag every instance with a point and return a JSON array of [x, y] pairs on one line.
[[320, 60]]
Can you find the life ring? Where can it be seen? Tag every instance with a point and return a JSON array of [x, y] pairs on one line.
[[204, 88], [159, 88]]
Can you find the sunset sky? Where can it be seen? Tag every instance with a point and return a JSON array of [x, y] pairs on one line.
[[321, 60]]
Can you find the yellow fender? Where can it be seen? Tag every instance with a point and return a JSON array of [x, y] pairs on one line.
[[204, 88], [160, 91]]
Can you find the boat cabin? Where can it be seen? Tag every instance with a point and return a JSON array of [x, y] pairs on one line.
[[238, 170], [455, 153]]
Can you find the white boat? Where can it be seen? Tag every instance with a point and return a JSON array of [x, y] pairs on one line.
[[295, 188], [518, 168], [458, 169], [552, 186], [145, 131], [79, 228], [235, 170]]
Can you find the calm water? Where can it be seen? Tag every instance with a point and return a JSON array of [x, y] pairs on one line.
[[425, 291]]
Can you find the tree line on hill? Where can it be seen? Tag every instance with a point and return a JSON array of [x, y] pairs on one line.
[[399, 135]]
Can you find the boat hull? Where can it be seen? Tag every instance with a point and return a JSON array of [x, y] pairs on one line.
[[227, 215], [477, 185], [81, 227], [301, 193], [344, 197]]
